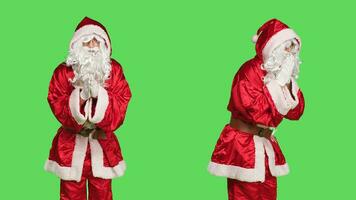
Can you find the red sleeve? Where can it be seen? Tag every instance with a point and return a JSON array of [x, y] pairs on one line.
[[250, 100], [251, 103], [64, 101], [111, 104], [297, 112]]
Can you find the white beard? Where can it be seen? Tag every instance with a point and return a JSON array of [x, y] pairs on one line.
[[282, 64], [89, 64]]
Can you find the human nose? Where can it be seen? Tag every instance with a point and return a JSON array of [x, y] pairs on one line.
[[93, 43]]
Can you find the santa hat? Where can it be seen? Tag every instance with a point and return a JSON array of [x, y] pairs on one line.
[[87, 27], [270, 35]]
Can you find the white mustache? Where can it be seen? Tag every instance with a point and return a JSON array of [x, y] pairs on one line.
[[89, 64], [93, 50]]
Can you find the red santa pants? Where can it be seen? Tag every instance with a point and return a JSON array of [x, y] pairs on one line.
[[240, 190], [99, 189]]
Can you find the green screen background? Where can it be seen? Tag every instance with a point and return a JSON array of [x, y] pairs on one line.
[[179, 58]]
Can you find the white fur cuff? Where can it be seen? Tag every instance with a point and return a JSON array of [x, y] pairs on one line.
[[101, 106], [74, 106], [281, 96]]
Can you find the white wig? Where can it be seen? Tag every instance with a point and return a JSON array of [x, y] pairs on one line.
[[89, 63]]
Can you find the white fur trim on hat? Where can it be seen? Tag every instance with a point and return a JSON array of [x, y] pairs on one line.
[[90, 29], [254, 38], [277, 39]]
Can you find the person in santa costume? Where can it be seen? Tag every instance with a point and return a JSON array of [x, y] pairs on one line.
[[264, 92], [89, 95]]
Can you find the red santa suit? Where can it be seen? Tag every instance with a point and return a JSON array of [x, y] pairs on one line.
[[74, 157], [251, 162]]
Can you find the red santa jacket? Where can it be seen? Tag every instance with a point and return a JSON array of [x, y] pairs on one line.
[[241, 155], [107, 112]]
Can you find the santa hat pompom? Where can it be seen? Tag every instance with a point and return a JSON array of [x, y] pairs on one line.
[[254, 38]]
